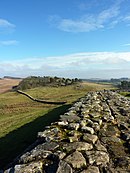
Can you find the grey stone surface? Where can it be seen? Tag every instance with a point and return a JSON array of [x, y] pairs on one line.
[[91, 169], [76, 159], [64, 167], [79, 146], [29, 168], [87, 129], [100, 147], [69, 118], [97, 157], [73, 139], [73, 126], [90, 138]]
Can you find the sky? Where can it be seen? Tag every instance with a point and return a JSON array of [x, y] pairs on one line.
[[65, 38]]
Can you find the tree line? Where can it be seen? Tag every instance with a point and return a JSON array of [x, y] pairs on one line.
[[125, 85], [34, 81]]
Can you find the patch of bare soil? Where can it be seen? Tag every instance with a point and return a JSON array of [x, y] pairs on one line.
[[7, 84]]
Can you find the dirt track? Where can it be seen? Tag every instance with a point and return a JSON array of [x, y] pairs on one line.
[[6, 84]]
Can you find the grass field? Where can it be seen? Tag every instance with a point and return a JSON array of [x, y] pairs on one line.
[[21, 118], [126, 94]]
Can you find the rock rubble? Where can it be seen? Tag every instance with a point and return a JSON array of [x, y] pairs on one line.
[[92, 137]]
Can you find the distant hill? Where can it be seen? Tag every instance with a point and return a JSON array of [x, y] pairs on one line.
[[115, 81], [10, 77], [33, 81]]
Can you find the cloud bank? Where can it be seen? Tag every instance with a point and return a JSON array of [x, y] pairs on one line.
[[82, 65]]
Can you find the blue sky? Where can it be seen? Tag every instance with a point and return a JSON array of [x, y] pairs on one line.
[[70, 38]]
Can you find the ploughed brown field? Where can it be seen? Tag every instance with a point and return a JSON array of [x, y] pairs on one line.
[[6, 84]]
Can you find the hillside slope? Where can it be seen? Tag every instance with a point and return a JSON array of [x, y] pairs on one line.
[[37, 81], [21, 117], [93, 136]]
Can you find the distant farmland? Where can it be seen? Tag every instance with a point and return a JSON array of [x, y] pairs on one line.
[[6, 84]]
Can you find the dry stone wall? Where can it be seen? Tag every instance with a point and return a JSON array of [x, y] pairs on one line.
[[92, 137]]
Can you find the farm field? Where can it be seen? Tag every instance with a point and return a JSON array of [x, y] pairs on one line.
[[21, 118], [6, 84]]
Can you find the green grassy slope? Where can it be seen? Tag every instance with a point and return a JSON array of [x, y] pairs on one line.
[[21, 118]]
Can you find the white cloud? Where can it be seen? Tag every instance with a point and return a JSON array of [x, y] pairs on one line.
[[5, 23], [8, 43], [86, 24], [127, 44], [110, 13], [6, 26], [87, 64], [127, 18], [109, 18]]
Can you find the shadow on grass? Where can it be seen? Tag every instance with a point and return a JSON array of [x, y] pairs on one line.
[[17, 141], [127, 95]]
